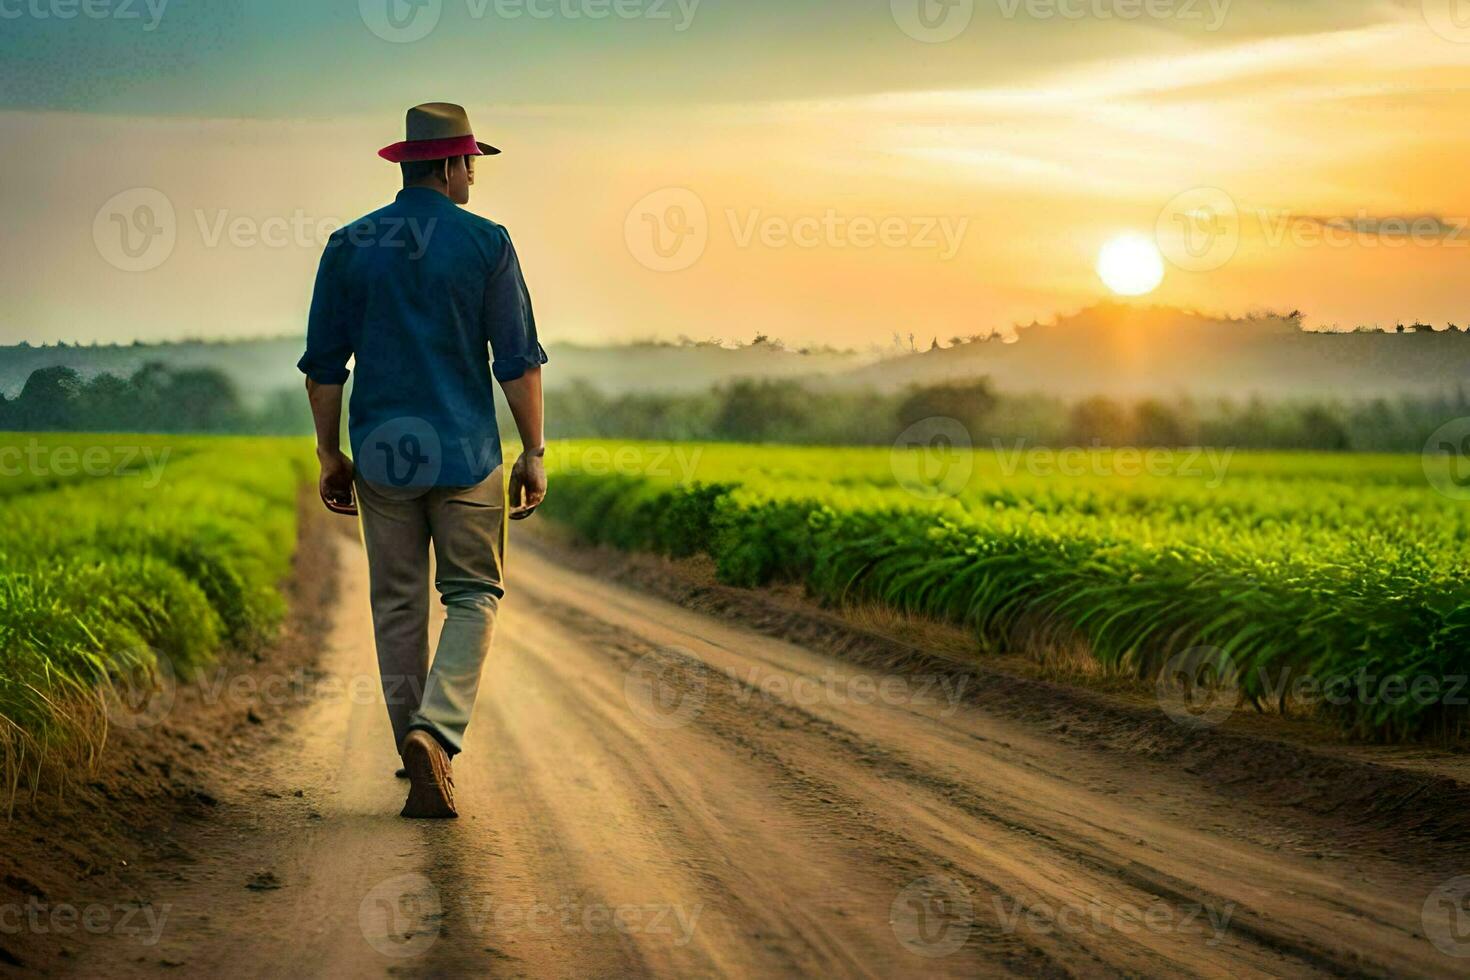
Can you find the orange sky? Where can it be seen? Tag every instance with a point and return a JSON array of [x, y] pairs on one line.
[[1337, 156]]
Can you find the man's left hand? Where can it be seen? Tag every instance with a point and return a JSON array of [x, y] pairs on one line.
[[527, 484]]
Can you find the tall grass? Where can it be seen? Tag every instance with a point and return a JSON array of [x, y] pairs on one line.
[[138, 566], [1297, 568]]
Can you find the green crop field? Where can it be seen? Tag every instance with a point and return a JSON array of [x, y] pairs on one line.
[[1292, 570], [126, 557], [123, 557]]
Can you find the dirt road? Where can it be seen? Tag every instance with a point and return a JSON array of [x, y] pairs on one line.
[[647, 790]]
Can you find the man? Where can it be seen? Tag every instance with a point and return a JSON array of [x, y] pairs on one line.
[[429, 301]]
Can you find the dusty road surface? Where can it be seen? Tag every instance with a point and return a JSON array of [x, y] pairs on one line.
[[650, 791]]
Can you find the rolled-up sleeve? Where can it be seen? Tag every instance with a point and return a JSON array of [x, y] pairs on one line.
[[510, 322], [328, 338]]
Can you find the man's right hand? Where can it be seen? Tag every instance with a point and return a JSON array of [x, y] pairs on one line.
[[335, 484]]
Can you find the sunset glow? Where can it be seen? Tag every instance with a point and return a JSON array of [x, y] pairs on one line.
[[825, 205]]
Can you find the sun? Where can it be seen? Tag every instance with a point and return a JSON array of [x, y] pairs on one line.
[[1130, 265]]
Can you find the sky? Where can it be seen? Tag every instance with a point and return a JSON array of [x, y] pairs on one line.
[[825, 173]]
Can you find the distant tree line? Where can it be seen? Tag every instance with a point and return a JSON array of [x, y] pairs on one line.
[[157, 398], [793, 412]]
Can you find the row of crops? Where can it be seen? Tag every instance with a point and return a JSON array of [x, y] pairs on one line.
[[1304, 573], [122, 557]]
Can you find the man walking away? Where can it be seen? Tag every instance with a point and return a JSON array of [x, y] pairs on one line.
[[430, 302]]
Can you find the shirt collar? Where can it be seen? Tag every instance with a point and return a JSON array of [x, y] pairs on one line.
[[422, 195]]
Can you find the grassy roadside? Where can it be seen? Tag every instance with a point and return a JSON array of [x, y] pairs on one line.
[[126, 561]]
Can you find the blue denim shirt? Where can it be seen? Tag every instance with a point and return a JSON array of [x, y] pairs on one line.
[[421, 293]]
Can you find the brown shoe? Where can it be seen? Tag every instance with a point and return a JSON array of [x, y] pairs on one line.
[[431, 787]]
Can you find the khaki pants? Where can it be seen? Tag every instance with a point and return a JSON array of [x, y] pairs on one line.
[[467, 528]]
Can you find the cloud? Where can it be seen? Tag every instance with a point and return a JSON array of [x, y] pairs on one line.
[[1388, 47], [1418, 226], [1319, 114]]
